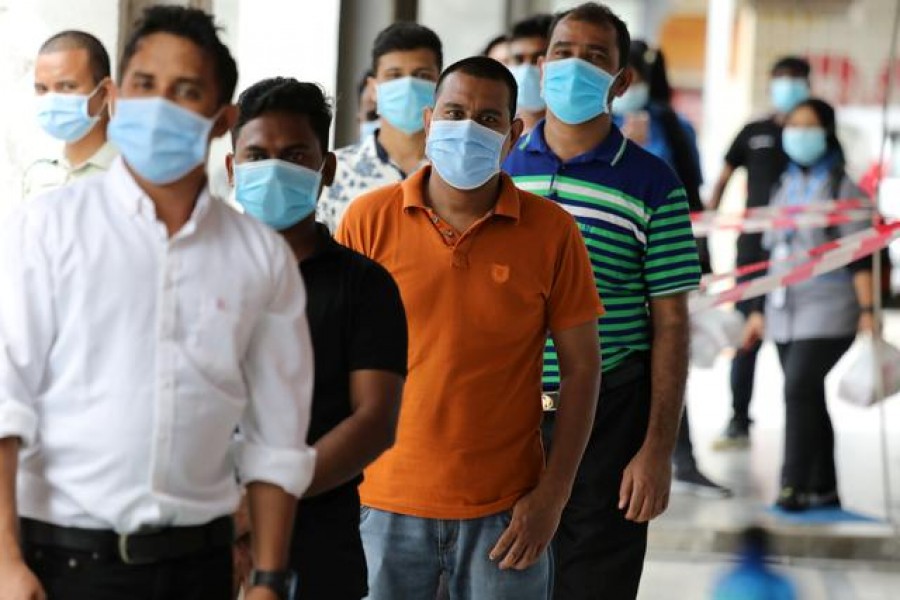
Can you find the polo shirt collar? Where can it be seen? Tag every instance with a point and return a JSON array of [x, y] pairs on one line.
[[609, 151], [413, 188]]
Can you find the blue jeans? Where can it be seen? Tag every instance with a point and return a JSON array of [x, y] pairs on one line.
[[407, 555]]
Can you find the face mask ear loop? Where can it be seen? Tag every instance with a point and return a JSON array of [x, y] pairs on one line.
[[105, 102]]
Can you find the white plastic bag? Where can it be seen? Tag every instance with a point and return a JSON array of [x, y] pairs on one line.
[[856, 383], [712, 331]]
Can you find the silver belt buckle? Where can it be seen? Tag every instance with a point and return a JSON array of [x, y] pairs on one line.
[[550, 401], [123, 548]]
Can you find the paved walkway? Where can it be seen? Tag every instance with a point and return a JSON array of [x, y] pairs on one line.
[[840, 561]]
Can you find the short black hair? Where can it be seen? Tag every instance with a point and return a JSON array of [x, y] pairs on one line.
[[194, 25], [825, 114], [285, 94], [598, 14], [72, 39], [534, 26], [495, 41], [483, 68], [795, 65], [403, 36]]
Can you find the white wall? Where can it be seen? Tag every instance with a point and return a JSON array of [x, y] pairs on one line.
[[464, 26]]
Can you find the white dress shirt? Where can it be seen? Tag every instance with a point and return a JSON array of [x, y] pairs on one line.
[[128, 358]]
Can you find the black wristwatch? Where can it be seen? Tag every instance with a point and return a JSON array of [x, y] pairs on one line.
[[283, 582]]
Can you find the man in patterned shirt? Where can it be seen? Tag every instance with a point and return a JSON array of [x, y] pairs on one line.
[[633, 216], [406, 61]]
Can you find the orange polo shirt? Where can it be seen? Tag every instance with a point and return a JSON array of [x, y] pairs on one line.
[[479, 306]]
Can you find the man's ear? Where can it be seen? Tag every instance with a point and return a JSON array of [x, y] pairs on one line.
[[427, 114], [515, 132], [372, 84], [229, 168], [227, 118], [622, 83], [329, 168]]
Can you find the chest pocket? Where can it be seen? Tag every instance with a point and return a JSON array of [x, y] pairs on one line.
[[217, 338]]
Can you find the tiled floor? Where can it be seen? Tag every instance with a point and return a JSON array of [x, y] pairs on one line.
[[686, 545]]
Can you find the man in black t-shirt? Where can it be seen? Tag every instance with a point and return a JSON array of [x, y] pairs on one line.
[[356, 319], [758, 149]]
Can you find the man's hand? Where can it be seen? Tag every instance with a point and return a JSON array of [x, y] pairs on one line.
[[535, 518], [754, 330], [261, 592], [644, 493], [17, 582]]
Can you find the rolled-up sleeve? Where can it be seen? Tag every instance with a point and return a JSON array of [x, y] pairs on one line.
[[27, 325], [278, 369]]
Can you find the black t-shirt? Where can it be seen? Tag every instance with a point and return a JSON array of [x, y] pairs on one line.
[[356, 321], [758, 149]]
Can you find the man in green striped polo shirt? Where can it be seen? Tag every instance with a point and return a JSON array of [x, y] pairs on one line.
[[633, 215]]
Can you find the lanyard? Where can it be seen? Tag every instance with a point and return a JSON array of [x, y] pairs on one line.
[[803, 190]]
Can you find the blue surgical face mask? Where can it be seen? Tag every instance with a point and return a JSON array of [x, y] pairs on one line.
[[402, 102], [66, 116], [367, 128], [276, 192], [575, 90], [804, 145], [160, 140], [788, 92], [633, 100], [465, 154], [528, 78]]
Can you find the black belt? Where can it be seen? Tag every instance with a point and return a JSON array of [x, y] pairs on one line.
[[141, 548], [631, 369]]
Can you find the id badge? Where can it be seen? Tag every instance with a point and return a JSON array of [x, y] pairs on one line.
[[778, 297]]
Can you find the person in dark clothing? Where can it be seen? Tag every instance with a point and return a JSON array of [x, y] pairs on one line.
[[758, 149], [356, 320], [645, 114]]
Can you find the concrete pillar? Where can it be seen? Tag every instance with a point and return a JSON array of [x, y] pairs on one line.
[[361, 20], [717, 92]]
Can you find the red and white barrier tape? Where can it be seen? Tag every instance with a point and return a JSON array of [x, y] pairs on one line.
[[763, 223], [765, 218], [823, 259]]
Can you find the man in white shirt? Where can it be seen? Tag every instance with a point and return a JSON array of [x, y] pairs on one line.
[[141, 322], [72, 86]]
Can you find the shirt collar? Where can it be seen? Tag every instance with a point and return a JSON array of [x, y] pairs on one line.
[[136, 202], [101, 159], [609, 151], [104, 156], [413, 188], [325, 244]]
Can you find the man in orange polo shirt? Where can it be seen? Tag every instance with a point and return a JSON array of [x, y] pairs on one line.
[[485, 271]]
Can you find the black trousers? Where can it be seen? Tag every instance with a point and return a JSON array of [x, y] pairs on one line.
[[808, 435], [70, 575], [598, 554], [683, 458], [743, 366]]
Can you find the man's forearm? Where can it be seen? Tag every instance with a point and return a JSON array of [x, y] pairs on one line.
[[346, 450], [272, 521], [668, 378], [9, 539], [578, 394]]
